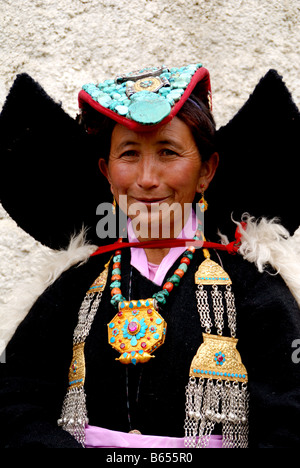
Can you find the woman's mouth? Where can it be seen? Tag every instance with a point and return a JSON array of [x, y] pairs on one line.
[[151, 201]]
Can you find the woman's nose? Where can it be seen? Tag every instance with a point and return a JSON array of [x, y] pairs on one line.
[[148, 173]]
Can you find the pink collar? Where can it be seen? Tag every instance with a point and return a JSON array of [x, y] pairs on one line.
[[156, 273]]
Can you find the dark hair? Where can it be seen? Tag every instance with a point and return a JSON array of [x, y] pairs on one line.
[[193, 113], [200, 120]]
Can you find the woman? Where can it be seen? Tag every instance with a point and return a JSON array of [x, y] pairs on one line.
[[154, 346]]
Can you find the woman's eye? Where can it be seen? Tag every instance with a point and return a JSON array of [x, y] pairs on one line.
[[129, 153], [168, 152]]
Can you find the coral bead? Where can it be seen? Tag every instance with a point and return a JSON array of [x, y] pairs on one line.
[[115, 291], [179, 273], [115, 277], [168, 286], [118, 252], [185, 260], [116, 265]]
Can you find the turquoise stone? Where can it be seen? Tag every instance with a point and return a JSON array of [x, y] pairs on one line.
[[115, 284], [164, 91], [160, 297], [166, 75], [104, 100], [116, 96], [96, 94], [107, 89], [170, 100], [175, 94], [179, 84], [122, 110], [133, 341], [116, 299], [185, 77], [116, 271], [188, 255], [113, 104], [148, 107], [175, 280]]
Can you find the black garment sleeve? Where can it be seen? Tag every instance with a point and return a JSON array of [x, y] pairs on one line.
[[268, 325]]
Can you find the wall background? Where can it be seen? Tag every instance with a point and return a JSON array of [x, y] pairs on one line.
[[67, 43]]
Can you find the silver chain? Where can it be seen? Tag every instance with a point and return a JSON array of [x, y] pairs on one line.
[[86, 316], [203, 308], [231, 311], [218, 308]]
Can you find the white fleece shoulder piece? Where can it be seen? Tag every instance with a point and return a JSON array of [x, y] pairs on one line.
[[267, 242], [52, 263]]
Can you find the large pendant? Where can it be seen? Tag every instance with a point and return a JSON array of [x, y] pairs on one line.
[[137, 330], [218, 358]]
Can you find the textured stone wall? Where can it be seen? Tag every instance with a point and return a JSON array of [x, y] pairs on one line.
[[67, 43]]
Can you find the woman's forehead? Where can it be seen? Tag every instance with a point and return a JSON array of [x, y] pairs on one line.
[[176, 132]]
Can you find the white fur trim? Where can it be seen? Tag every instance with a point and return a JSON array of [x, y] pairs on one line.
[[263, 242], [268, 242], [52, 264]]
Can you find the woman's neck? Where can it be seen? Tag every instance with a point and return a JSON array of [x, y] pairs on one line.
[[156, 255]]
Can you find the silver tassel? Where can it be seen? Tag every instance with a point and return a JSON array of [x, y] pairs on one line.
[[210, 402], [74, 415]]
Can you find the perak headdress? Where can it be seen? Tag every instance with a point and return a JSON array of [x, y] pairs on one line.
[[148, 97]]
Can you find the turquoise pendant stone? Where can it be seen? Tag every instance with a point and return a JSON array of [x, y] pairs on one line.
[[149, 108]]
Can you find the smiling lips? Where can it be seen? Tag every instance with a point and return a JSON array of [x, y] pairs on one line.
[[150, 201]]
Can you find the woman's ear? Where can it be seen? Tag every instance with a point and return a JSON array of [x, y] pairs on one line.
[[208, 171], [105, 171], [104, 168]]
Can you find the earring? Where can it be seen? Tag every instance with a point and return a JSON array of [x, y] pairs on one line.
[[114, 206], [202, 202]]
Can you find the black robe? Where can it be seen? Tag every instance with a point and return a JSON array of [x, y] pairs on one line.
[[149, 397]]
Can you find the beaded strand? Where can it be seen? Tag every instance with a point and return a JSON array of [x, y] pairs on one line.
[[168, 286]]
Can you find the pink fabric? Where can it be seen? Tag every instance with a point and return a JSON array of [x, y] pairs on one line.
[[152, 268], [98, 437], [139, 258]]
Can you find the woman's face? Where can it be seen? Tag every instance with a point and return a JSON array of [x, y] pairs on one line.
[[158, 169]]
